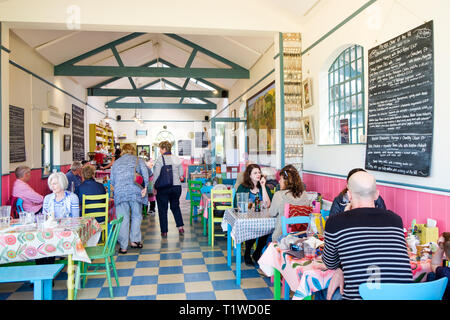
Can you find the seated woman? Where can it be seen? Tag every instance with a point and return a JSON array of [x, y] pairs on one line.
[[90, 187], [61, 201], [436, 262], [292, 192], [341, 203], [254, 184]]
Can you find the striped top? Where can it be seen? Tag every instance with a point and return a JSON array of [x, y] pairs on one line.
[[369, 245]]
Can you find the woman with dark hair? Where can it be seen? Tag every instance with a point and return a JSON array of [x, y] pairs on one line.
[[292, 192], [438, 270], [341, 202], [254, 184]]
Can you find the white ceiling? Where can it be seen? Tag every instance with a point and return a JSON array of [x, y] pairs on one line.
[[58, 46]]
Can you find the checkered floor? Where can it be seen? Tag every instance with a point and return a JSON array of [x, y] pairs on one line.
[[175, 268]]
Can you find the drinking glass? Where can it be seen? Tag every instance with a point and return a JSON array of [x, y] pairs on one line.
[[242, 202], [309, 252], [40, 220], [5, 214]]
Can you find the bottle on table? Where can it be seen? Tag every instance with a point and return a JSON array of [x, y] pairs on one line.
[[257, 204]]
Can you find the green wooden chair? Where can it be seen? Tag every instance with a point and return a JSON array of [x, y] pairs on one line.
[[195, 195], [101, 252]]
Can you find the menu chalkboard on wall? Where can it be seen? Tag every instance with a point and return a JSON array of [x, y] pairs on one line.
[[184, 147], [401, 103], [77, 133], [16, 134]]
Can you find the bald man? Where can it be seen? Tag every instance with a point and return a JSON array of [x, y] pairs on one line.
[[364, 243]]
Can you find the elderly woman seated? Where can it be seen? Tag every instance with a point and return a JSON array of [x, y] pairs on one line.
[[90, 187], [62, 202]]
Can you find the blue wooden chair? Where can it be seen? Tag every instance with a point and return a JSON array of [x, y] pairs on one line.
[[285, 222], [325, 213], [433, 290], [19, 205]]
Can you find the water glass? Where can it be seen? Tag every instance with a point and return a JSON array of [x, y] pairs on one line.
[[242, 202], [5, 214], [26, 217], [40, 220], [310, 252]]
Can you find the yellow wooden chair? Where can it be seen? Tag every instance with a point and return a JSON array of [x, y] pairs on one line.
[[223, 200], [102, 211]]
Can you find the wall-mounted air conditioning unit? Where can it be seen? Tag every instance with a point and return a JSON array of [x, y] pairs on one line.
[[52, 117]]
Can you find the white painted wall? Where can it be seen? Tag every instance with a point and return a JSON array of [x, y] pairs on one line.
[[377, 24], [240, 93], [180, 130], [34, 95]]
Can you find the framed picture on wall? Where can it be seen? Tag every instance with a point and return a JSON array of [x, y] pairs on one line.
[[67, 140], [308, 130], [307, 94], [66, 120]]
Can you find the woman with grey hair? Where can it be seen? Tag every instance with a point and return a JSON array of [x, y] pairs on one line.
[[62, 202], [129, 196]]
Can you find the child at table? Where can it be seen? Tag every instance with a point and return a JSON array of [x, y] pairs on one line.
[[440, 271]]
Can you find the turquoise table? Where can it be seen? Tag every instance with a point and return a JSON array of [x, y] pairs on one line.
[[40, 275]]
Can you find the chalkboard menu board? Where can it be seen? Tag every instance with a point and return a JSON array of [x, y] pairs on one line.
[[16, 134], [184, 147], [201, 140], [77, 133], [401, 103]]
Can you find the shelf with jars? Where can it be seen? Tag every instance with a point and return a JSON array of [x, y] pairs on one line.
[[293, 111]]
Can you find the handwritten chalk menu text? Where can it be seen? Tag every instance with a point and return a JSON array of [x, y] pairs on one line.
[[77, 133], [184, 147], [401, 103], [16, 134]]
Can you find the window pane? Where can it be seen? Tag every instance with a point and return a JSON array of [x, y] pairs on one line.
[[353, 137], [348, 104], [359, 66], [353, 86]]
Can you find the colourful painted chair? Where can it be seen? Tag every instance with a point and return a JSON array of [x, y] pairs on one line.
[[19, 205], [101, 208], [103, 252], [195, 195], [285, 223], [220, 200], [433, 290]]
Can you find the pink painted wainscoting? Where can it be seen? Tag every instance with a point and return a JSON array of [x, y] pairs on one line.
[[409, 204]]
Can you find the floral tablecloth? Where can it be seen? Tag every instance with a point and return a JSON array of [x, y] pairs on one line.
[[22, 243], [309, 276]]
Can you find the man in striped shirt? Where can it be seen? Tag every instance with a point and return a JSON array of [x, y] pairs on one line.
[[365, 244]]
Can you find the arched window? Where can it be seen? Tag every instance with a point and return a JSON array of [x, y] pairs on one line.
[[346, 96]]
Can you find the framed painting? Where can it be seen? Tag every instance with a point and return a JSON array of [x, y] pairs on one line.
[[66, 120], [67, 140], [307, 94], [261, 121], [308, 130]]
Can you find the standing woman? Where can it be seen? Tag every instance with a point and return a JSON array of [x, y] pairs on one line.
[[254, 184], [129, 196], [292, 192], [169, 194]]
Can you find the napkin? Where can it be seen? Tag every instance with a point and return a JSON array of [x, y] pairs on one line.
[[313, 242]]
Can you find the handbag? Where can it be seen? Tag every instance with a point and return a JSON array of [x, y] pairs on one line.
[[165, 178], [138, 179]]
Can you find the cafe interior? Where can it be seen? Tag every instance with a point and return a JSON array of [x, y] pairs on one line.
[[248, 118]]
